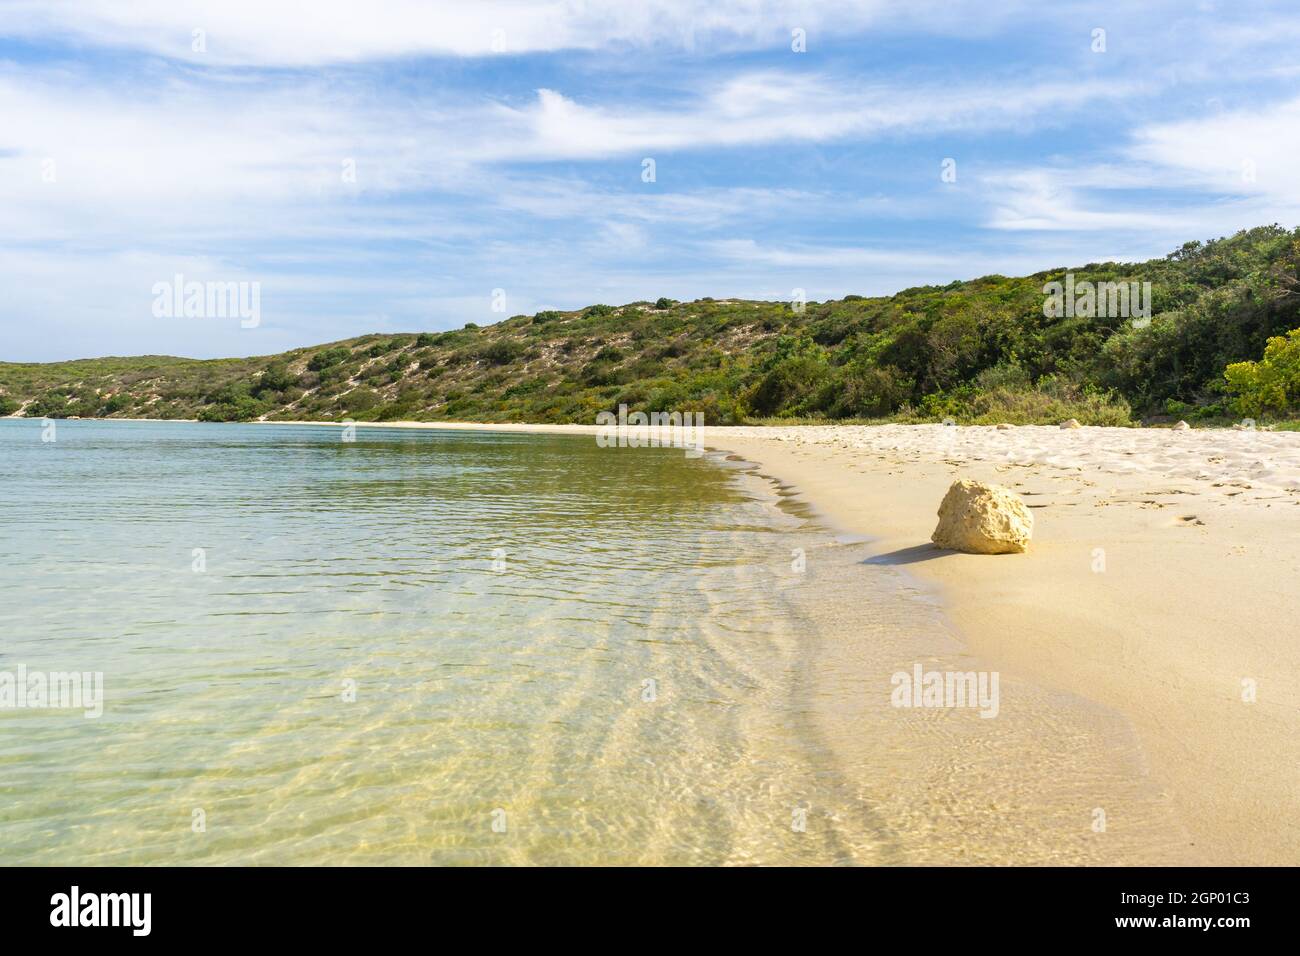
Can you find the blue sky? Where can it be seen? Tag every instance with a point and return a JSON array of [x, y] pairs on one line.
[[500, 145]]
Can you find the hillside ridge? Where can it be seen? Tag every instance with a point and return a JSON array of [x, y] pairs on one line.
[[992, 348]]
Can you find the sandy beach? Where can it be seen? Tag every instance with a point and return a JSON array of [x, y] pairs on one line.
[[1161, 577], [1159, 585]]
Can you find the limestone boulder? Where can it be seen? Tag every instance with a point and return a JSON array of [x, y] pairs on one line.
[[981, 518]]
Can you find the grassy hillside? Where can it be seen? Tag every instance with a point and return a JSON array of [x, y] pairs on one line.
[[977, 351]]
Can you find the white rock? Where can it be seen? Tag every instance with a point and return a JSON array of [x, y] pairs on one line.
[[983, 518], [1071, 423], [1181, 426]]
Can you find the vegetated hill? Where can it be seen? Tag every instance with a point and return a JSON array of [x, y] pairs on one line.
[[981, 350]]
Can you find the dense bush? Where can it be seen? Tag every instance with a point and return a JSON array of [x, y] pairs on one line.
[[1271, 384]]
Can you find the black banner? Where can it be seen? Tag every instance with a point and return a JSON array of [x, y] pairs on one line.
[[332, 906]]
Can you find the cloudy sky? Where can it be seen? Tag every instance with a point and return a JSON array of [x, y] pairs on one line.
[[386, 165]]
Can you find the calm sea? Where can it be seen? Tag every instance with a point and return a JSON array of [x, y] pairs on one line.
[[419, 647]]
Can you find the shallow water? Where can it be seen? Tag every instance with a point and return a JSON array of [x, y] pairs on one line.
[[569, 644]]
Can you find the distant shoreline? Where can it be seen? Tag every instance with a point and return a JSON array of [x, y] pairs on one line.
[[579, 428]]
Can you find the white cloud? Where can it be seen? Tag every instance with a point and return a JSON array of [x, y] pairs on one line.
[[1043, 199], [1244, 153], [766, 107], [299, 33], [1207, 175], [823, 257]]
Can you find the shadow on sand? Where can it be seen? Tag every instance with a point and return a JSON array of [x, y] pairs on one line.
[[913, 555]]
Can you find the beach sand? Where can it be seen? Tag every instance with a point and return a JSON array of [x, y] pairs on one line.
[[1160, 588], [1162, 575]]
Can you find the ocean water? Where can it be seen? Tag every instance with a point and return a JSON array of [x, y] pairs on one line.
[[422, 647]]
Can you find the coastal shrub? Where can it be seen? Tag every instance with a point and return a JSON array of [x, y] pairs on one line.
[[117, 403], [601, 374], [715, 409], [217, 413], [867, 391], [1273, 383], [1008, 376], [328, 357], [1048, 405], [501, 352], [359, 400], [787, 384], [334, 375], [674, 349], [393, 411], [236, 407], [275, 378]]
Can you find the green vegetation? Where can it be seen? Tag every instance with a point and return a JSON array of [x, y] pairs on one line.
[[1272, 384], [1217, 346]]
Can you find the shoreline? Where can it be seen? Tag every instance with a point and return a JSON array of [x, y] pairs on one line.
[[1158, 581], [1153, 589], [1158, 586]]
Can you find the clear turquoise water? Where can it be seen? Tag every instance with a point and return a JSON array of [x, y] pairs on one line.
[[484, 692]]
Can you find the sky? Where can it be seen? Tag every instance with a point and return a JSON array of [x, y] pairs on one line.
[[394, 165]]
